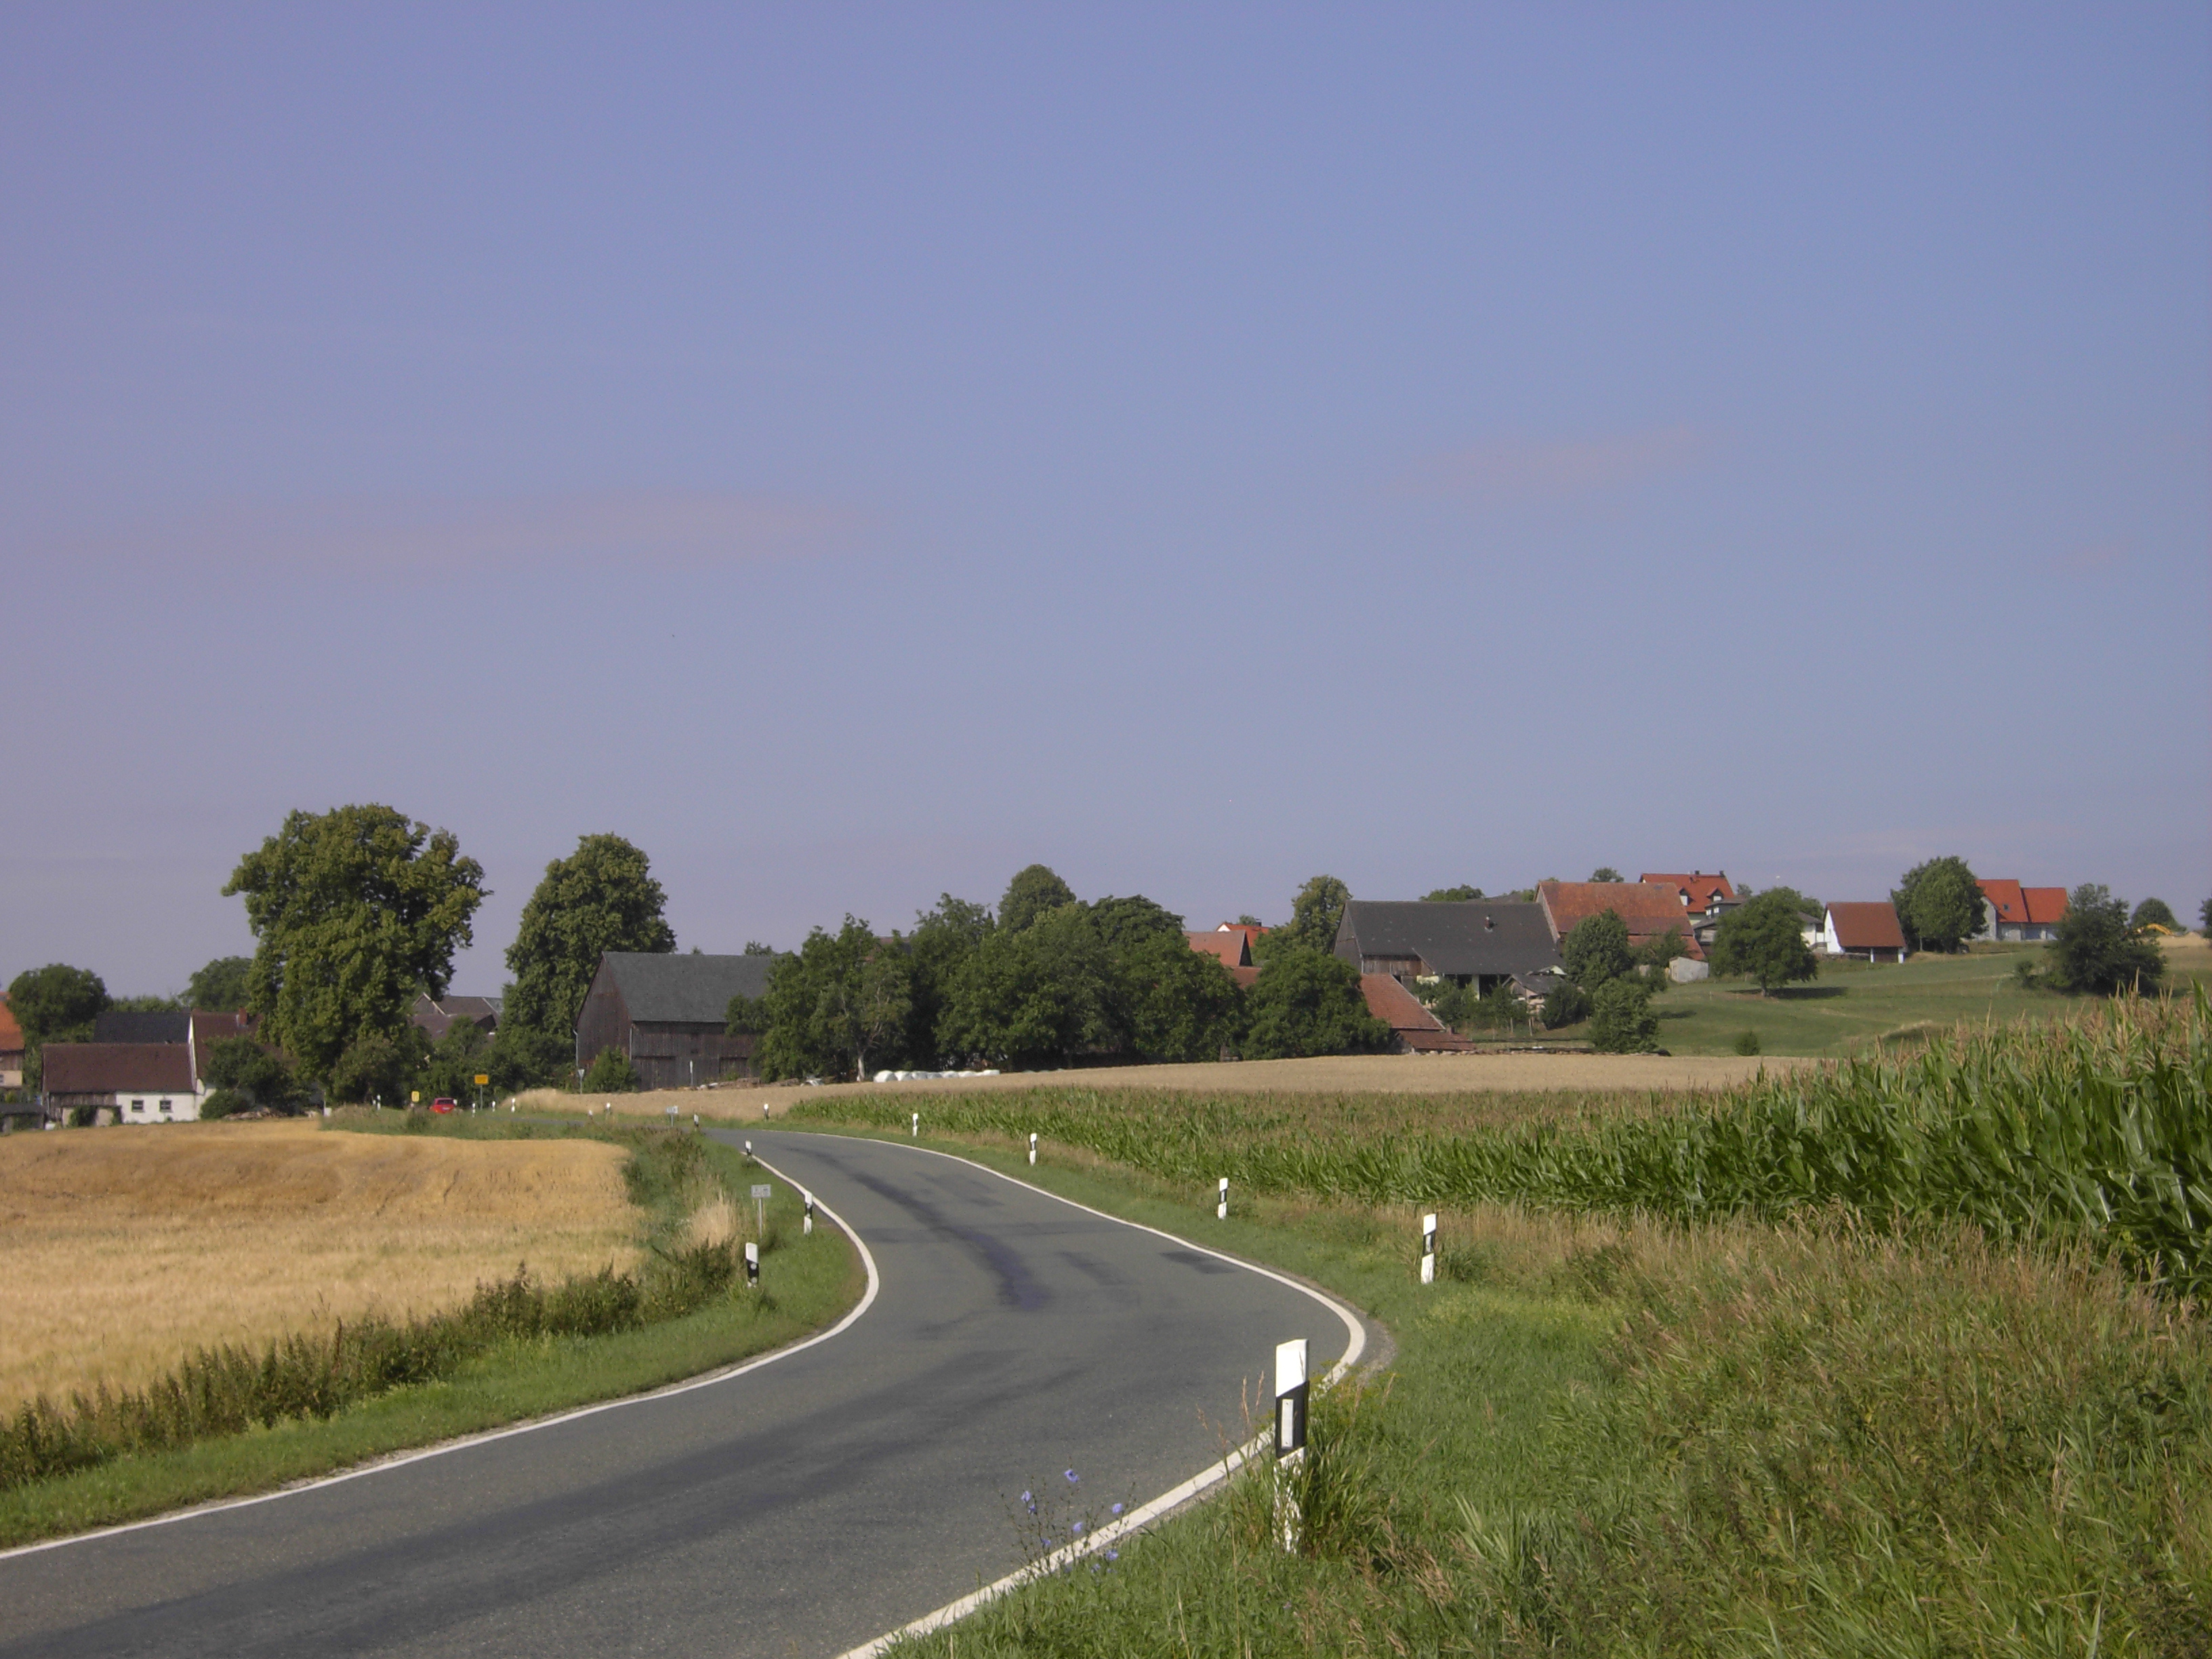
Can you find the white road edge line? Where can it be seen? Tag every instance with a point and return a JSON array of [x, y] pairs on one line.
[[1213, 1475], [401, 1461]]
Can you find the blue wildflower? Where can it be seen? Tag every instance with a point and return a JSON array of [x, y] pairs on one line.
[[1076, 1527], [1117, 1508], [1070, 1474], [1113, 1555]]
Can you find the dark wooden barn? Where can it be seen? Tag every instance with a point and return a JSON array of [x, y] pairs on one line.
[[667, 1013]]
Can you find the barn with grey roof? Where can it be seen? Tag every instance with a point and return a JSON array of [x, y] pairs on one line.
[[667, 1013]]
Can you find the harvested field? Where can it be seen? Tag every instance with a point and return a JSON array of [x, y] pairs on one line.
[[1340, 1074], [122, 1249]]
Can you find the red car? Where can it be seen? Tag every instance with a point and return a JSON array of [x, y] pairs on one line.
[[442, 1103]]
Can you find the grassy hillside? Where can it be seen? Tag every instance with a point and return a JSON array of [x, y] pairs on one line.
[[1854, 1005]]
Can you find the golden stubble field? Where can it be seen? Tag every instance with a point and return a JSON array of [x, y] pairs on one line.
[[1340, 1074], [122, 1248]]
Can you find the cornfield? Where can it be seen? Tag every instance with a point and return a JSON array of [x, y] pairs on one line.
[[2099, 1130]]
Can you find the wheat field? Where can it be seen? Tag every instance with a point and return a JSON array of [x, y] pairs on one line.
[[121, 1249]]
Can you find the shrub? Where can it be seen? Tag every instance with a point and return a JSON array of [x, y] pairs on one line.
[[611, 1073], [2094, 950], [1597, 950], [1746, 1043], [1621, 1020], [1565, 1005]]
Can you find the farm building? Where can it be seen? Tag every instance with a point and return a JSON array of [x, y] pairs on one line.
[[118, 1082], [436, 1017], [162, 1025], [11, 1048], [1414, 1029], [1649, 909], [667, 1013], [1475, 941], [1699, 892], [2014, 912], [1869, 930], [1231, 947]]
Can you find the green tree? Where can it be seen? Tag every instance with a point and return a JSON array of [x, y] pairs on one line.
[[2204, 918], [1597, 950], [1177, 1004], [381, 1067], [1451, 895], [1606, 873], [1308, 1002], [1314, 914], [247, 1075], [1033, 997], [2094, 950], [1656, 955], [1940, 903], [842, 998], [942, 939], [220, 985], [2154, 911], [754, 948], [601, 897], [1567, 1005], [1126, 923], [1621, 1021], [54, 1004], [357, 911], [1033, 891], [610, 1074], [1763, 939]]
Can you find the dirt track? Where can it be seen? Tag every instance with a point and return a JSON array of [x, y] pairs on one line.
[[1428, 1075]]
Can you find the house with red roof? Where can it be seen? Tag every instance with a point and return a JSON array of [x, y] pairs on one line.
[[1230, 946], [1650, 909], [2015, 913], [1414, 1029], [1869, 930], [11, 1048], [1700, 893]]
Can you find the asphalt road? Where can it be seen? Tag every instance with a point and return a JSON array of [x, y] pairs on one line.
[[799, 1508]]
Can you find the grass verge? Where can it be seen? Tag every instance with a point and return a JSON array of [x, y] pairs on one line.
[[1612, 1436], [515, 1369]]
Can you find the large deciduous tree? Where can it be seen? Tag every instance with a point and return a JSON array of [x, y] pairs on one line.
[[54, 1004], [356, 911], [1314, 914], [1308, 1002], [1030, 894], [1033, 997], [220, 985], [844, 997], [1939, 903], [1621, 1021], [2154, 913], [1763, 939], [601, 897], [2094, 950], [1597, 950]]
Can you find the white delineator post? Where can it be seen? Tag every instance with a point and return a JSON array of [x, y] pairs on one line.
[[752, 1267], [1290, 1393], [806, 1225], [917, 1126], [1032, 1145], [1428, 1250], [1221, 1210]]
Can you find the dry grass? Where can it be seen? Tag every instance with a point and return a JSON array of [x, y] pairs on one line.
[[1340, 1074], [122, 1250]]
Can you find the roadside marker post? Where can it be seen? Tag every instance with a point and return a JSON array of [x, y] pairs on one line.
[[1291, 1395], [917, 1126], [806, 1226], [752, 1267], [1428, 1250], [1032, 1145], [749, 1149], [695, 1123], [763, 1111], [671, 1114], [1221, 1210], [760, 1209]]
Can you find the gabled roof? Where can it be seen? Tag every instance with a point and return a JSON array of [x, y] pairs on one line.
[[2045, 905], [666, 989], [1250, 929], [1867, 927], [209, 1028], [1410, 1023], [1232, 946], [2008, 903], [1697, 890], [1647, 911], [106, 1068], [436, 1017], [1457, 938], [162, 1025]]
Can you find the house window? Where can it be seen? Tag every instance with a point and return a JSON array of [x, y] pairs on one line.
[[165, 1108], [137, 1105]]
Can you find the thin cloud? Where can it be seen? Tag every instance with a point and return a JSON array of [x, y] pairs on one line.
[[423, 535], [1519, 469], [2096, 558]]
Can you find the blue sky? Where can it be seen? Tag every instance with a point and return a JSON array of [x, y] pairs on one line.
[[854, 453]]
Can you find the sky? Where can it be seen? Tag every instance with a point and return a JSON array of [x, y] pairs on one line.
[[856, 451]]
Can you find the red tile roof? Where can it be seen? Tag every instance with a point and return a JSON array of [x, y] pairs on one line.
[[1868, 927], [1246, 978], [1401, 1011], [1233, 947], [1648, 910], [106, 1068], [11, 1034], [2007, 900], [2045, 905], [1697, 889]]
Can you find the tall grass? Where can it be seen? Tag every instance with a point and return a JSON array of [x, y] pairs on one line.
[[2099, 1130]]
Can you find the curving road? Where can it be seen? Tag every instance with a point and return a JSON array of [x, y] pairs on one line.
[[800, 1507]]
